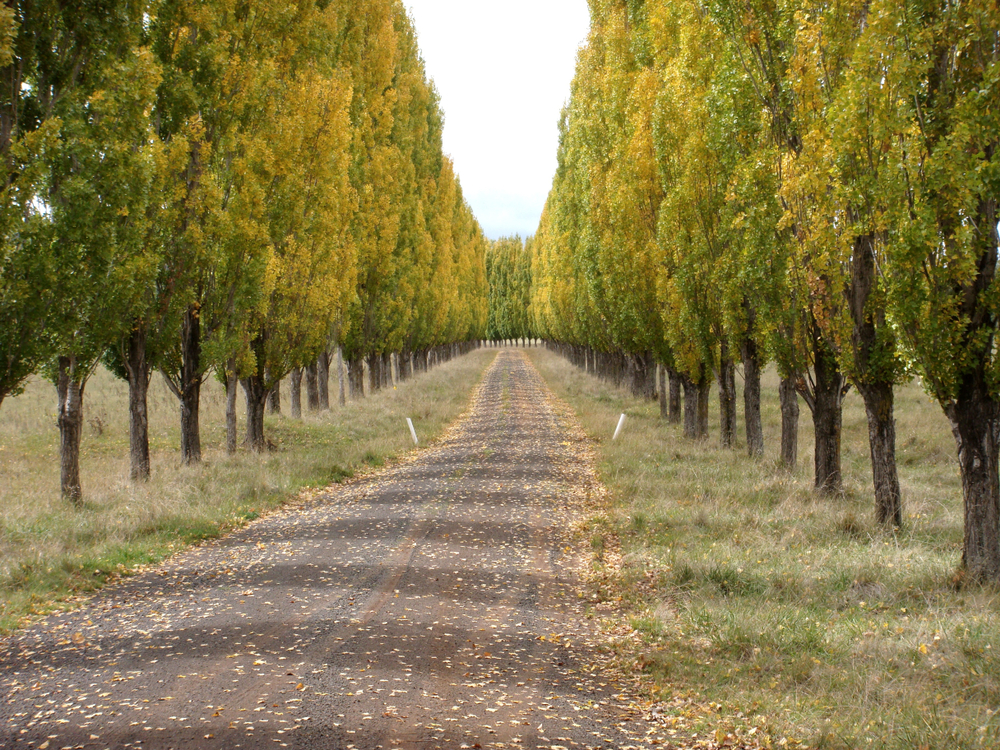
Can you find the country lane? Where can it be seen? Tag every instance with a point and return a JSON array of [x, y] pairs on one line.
[[432, 605]]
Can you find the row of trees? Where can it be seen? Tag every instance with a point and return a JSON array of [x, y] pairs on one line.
[[810, 183], [228, 186], [508, 278]]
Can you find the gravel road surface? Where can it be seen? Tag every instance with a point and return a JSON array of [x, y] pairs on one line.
[[433, 605]]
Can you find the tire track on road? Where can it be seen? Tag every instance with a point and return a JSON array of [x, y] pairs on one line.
[[433, 605]]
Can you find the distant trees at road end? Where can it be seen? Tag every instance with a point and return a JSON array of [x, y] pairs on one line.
[[508, 277]]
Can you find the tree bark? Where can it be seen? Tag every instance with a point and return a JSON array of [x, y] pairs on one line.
[[662, 392], [641, 379], [649, 373], [704, 393], [231, 387], [274, 399], [696, 407], [975, 421], [386, 370], [190, 386], [340, 376], [727, 397], [256, 396], [323, 374], [356, 377], [674, 405], [751, 398], [70, 392], [878, 398], [296, 391], [827, 412], [312, 387], [874, 381], [374, 372], [789, 423], [138, 370]]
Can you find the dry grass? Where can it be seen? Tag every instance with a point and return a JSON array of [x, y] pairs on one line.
[[50, 551], [794, 611]]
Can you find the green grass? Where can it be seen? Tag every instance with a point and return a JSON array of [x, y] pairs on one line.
[[782, 614], [51, 552]]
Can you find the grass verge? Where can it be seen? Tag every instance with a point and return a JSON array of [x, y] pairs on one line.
[[767, 615], [51, 553]]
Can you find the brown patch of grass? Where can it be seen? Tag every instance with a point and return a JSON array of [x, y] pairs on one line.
[[793, 610]]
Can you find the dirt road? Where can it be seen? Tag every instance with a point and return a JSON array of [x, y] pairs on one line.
[[434, 605]]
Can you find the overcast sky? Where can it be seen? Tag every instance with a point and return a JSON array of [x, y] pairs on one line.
[[503, 69]]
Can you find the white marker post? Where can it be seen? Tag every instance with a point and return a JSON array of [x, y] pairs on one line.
[[412, 431], [621, 423]]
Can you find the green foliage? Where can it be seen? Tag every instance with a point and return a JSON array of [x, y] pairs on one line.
[[420, 252], [943, 212], [508, 276], [817, 179], [80, 174]]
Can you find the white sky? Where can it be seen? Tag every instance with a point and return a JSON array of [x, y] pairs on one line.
[[503, 69]]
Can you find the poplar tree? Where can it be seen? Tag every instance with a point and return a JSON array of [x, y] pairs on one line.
[[838, 190], [944, 67], [307, 207], [94, 83], [691, 234], [761, 35], [211, 108], [372, 49], [26, 287]]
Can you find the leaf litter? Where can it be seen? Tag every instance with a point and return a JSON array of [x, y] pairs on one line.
[[436, 604]]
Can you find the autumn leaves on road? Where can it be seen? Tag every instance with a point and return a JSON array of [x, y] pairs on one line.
[[433, 605]]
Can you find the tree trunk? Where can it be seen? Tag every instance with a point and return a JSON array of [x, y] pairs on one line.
[[138, 370], [727, 397], [704, 393], [190, 386], [70, 391], [374, 372], [873, 384], [662, 391], [312, 387], [642, 382], [323, 374], [674, 405], [256, 396], [356, 376], [231, 387], [751, 398], [827, 412], [274, 399], [340, 376], [385, 371], [691, 392], [296, 390], [789, 423], [975, 421], [649, 376], [878, 398]]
